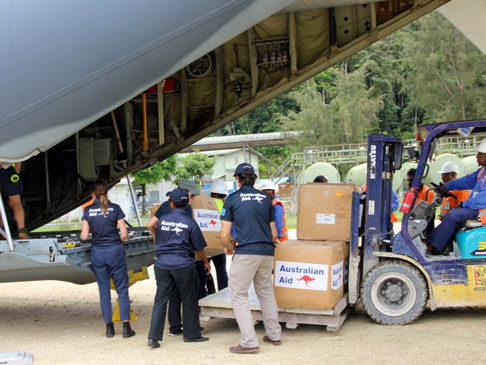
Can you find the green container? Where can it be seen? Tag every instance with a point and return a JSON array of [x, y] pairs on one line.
[[320, 168]]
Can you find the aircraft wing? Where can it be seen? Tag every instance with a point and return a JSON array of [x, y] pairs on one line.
[[67, 63], [469, 17]]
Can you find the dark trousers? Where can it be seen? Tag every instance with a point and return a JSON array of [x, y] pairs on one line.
[[174, 315], [446, 230], [221, 274], [110, 262], [169, 281]]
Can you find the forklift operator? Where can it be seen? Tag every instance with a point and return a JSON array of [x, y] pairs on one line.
[[448, 173], [474, 207]]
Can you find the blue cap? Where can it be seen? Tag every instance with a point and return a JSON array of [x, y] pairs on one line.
[[178, 195], [242, 167]]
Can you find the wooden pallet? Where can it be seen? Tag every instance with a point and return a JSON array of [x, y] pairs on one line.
[[218, 305]]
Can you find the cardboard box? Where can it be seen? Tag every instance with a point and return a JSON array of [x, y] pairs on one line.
[[324, 212], [309, 274], [286, 189], [206, 214]]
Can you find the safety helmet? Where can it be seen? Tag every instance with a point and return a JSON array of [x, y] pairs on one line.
[[219, 187], [482, 146], [268, 185], [449, 166]]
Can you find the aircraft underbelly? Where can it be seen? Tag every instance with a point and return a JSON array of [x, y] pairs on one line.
[[71, 70]]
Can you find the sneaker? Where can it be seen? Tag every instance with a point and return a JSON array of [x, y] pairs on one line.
[[176, 332], [273, 342], [238, 349]]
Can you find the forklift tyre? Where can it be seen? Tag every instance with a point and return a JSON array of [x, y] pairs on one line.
[[394, 293]]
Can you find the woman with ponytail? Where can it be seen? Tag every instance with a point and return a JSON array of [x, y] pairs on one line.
[[108, 258]]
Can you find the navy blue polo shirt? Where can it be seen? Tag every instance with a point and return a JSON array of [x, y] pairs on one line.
[[177, 237], [251, 212], [103, 227], [165, 208]]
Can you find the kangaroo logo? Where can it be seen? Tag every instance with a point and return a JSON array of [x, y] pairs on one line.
[[177, 230], [212, 222], [307, 279], [259, 199]]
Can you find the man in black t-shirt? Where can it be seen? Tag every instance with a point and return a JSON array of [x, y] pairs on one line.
[[177, 238], [251, 213]]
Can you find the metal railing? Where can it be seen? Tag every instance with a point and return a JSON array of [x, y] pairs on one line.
[[356, 153]]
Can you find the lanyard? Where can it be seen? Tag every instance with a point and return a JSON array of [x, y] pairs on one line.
[[481, 175]]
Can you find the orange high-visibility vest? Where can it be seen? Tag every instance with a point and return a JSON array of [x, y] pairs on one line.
[[449, 202], [393, 217], [284, 235], [482, 212], [425, 193]]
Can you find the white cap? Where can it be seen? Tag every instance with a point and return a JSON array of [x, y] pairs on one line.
[[268, 185], [218, 187], [449, 166], [482, 146]]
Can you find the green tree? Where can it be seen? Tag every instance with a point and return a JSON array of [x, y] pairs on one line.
[[313, 120], [162, 170], [446, 73], [354, 108], [194, 166]]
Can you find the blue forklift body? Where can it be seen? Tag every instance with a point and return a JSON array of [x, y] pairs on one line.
[[453, 281]]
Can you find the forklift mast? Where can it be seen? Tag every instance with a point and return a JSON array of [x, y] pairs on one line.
[[384, 157]]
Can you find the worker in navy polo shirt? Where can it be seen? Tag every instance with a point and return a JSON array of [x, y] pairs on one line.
[[250, 211], [177, 238], [174, 315], [108, 258]]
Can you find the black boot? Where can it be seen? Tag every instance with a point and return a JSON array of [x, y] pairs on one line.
[[153, 343], [127, 330], [110, 330]]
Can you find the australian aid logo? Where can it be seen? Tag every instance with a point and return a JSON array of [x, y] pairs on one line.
[[208, 220], [300, 275]]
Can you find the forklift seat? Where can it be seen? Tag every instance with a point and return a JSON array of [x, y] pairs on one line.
[[473, 223]]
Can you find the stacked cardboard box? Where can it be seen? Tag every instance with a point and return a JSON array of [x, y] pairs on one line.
[[206, 214], [324, 212], [310, 272]]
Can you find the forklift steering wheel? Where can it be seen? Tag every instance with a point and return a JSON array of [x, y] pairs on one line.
[[443, 191]]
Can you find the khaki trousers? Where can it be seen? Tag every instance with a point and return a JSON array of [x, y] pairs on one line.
[[245, 269]]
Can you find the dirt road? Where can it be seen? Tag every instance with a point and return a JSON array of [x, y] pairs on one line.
[[60, 323]]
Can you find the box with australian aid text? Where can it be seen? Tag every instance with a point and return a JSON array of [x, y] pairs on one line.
[[206, 214], [309, 274], [324, 212]]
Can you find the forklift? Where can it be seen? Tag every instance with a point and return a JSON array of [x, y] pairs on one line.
[[393, 274]]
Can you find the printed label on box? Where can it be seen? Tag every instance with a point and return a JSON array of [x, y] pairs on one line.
[[337, 276], [325, 218], [300, 275], [208, 220]]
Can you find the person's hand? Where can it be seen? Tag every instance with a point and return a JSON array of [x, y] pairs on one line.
[[229, 251], [207, 268]]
